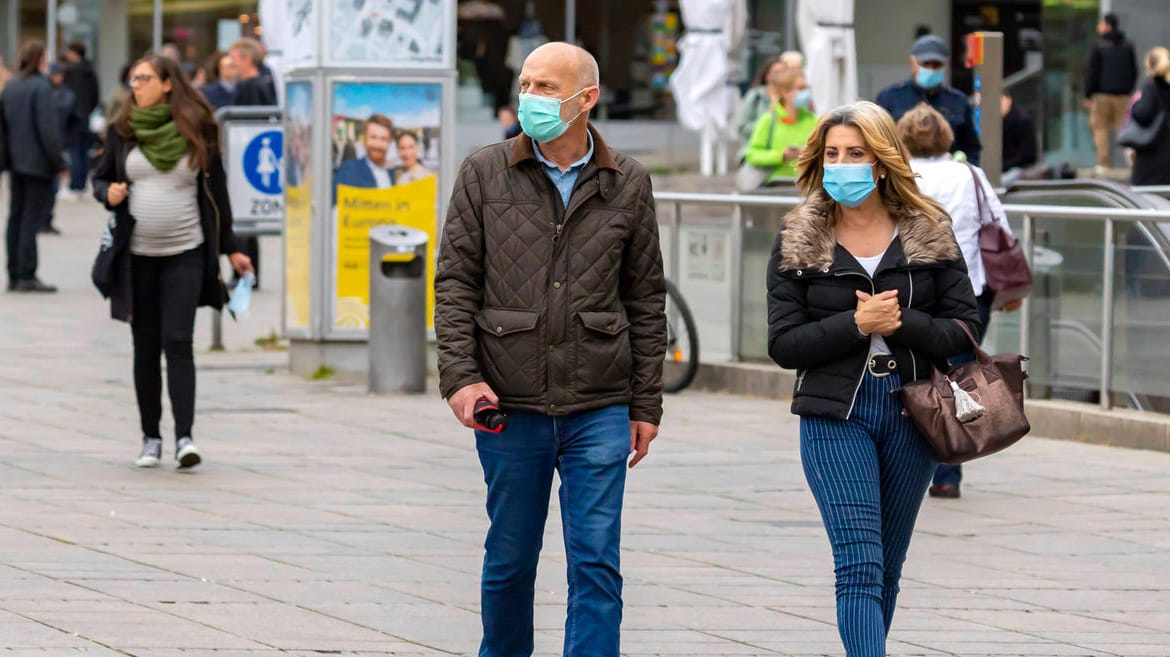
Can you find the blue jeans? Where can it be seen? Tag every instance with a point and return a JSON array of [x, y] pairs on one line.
[[79, 163], [945, 473], [588, 451], [868, 475]]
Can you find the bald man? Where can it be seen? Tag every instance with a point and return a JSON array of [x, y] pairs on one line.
[[549, 303]]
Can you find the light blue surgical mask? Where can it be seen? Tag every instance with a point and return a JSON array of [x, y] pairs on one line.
[[803, 98], [849, 184], [540, 116], [929, 78], [242, 296]]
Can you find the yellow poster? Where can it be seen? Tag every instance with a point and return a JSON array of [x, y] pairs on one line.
[[298, 253], [358, 210]]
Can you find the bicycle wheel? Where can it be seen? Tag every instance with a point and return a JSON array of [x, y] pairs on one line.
[[682, 343]]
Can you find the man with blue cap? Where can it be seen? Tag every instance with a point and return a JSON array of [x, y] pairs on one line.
[[928, 64]]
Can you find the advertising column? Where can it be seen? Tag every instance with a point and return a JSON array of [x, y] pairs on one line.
[[369, 116]]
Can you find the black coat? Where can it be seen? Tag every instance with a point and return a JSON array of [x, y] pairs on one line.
[[83, 82], [1019, 140], [215, 214], [1112, 67], [1151, 166], [33, 130], [255, 91], [812, 285]]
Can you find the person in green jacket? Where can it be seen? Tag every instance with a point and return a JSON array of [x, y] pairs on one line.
[[780, 134]]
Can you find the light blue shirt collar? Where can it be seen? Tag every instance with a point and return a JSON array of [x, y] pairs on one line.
[[564, 180]]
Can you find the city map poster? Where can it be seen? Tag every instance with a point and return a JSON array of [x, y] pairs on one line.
[[298, 204], [390, 33], [411, 205], [385, 157]]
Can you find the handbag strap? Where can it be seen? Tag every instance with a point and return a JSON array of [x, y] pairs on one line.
[[980, 194], [979, 353]]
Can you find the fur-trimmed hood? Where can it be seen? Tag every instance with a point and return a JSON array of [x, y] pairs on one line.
[[807, 240]]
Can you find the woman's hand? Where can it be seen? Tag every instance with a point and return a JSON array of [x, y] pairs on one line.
[[880, 313], [116, 194], [241, 263], [792, 153]]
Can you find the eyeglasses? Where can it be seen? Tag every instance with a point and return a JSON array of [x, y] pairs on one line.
[[142, 79]]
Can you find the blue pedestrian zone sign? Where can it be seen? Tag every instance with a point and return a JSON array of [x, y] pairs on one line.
[[262, 162]]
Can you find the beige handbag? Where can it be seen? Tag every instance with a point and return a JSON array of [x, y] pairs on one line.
[[974, 410]]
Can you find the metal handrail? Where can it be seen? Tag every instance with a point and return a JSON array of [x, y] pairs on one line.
[[1026, 211]]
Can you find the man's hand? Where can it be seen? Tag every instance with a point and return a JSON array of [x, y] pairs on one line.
[[1012, 306], [879, 313], [462, 403], [116, 194], [641, 433]]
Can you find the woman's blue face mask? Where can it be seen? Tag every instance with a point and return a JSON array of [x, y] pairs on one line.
[[849, 183]]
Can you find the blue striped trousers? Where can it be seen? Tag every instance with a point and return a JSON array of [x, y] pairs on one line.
[[868, 475]]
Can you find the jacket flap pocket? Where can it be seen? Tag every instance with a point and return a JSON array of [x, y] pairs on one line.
[[609, 322], [499, 321]]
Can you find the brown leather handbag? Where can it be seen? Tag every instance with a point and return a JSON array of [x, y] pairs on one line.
[[974, 410], [1004, 261]]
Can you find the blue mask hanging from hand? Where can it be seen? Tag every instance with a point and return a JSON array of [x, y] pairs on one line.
[[540, 116], [849, 184], [928, 78]]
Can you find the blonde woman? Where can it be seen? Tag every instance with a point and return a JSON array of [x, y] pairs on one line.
[[864, 286], [1151, 166]]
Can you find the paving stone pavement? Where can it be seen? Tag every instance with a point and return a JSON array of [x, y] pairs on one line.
[[328, 521]]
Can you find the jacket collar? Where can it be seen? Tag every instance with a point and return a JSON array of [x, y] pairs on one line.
[[808, 241], [602, 156]]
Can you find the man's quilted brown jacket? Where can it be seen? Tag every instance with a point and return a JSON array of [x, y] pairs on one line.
[[558, 309]]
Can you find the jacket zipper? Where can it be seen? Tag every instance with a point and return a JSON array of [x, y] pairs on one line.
[[800, 379], [909, 304], [861, 378], [215, 247]]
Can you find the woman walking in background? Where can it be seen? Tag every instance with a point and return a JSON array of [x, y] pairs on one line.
[[780, 133], [162, 175], [865, 285], [928, 137], [1151, 166]]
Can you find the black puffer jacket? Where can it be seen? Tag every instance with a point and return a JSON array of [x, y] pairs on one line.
[[812, 284], [1151, 166], [1113, 67]]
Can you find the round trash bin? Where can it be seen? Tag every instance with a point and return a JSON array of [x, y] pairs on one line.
[[398, 306]]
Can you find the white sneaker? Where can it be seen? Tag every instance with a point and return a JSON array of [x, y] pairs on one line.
[[151, 453], [186, 453]]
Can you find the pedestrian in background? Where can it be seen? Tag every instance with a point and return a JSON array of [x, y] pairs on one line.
[[82, 80], [1020, 147], [550, 301], [35, 159], [161, 173], [927, 136], [865, 285], [254, 87], [1109, 81], [781, 133], [757, 102], [220, 91], [1151, 166], [929, 58], [70, 127], [508, 121]]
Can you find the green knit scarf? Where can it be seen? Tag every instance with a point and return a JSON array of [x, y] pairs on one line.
[[158, 137]]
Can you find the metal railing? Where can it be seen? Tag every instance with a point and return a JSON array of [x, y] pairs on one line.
[[1027, 213]]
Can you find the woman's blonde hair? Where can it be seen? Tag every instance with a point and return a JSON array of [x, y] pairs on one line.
[[1158, 63], [786, 80], [881, 138], [925, 132]]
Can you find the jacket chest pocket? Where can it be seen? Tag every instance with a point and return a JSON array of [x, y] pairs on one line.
[[603, 354], [510, 351]]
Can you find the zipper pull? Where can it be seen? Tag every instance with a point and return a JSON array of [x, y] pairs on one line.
[[557, 235]]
